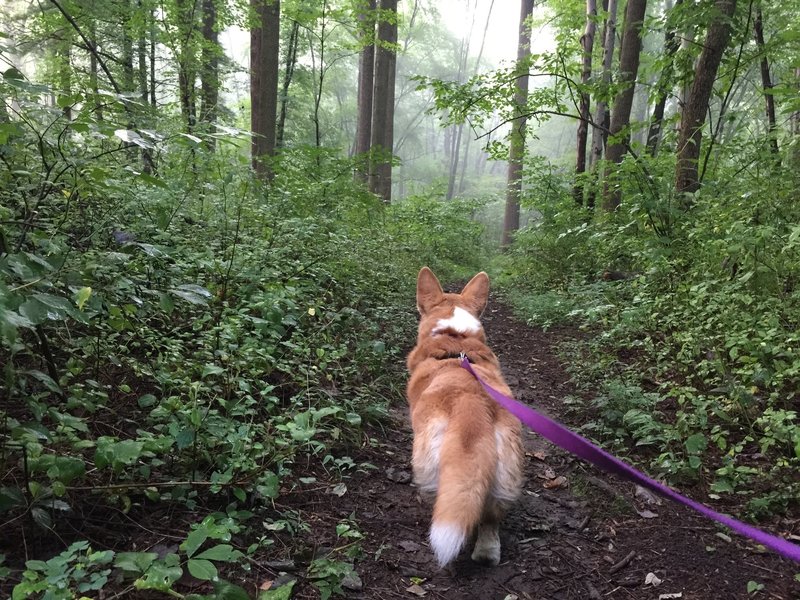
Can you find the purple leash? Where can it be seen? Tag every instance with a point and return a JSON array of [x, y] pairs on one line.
[[580, 446]]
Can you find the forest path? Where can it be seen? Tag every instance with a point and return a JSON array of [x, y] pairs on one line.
[[591, 538]]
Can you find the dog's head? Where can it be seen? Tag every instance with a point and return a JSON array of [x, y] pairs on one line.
[[455, 314]]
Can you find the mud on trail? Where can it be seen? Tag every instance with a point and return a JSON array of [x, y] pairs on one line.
[[586, 536]]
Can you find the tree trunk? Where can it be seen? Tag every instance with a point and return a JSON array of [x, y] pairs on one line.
[[209, 73], [671, 45], [587, 43], [456, 153], [366, 73], [694, 112], [766, 80], [93, 81], [264, 61], [153, 32], [516, 150], [141, 53], [461, 183], [600, 121], [187, 63], [288, 74], [380, 170], [128, 83], [629, 50]]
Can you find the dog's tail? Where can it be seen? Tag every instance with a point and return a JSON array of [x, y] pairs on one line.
[[466, 474]]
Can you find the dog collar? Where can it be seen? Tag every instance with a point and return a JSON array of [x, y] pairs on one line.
[[458, 355]]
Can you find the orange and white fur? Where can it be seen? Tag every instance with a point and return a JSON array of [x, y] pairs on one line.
[[467, 448]]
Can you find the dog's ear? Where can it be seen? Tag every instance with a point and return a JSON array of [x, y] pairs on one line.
[[429, 290], [476, 293]]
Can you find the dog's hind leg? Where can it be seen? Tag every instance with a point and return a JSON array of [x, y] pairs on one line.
[[487, 544]]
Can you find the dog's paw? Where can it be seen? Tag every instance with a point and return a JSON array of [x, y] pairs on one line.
[[486, 554]]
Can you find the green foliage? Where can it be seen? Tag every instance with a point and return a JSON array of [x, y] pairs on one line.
[[695, 315], [186, 330]]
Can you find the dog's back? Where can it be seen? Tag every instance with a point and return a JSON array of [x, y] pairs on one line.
[[467, 449]]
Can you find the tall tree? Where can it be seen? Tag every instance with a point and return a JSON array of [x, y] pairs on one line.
[[381, 134], [694, 112], [187, 61], [141, 52], [587, 44], [599, 132], [629, 51], [516, 150], [662, 88], [288, 74], [264, 61], [462, 182], [209, 70], [766, 79], [455, 152], [366, 73]]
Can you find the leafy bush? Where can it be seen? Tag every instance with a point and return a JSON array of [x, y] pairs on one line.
[[698, 307]]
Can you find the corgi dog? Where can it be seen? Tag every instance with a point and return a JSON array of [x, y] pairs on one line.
[[467, 451]]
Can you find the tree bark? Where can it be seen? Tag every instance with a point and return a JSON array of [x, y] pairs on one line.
[[461, 183], [153, 32], [629, 51], [141, 52], [671, 45], [366, 74], [599, 134], [516, 150], [187, 62], [288, 74], [587, 43], [459, 130], [766, 80], [380, 170], [694, 112], [264, 61], [209, 74]]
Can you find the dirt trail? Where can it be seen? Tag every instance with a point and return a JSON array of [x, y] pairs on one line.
[[587, 539]]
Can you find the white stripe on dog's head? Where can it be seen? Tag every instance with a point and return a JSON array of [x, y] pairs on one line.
[[461, 322]]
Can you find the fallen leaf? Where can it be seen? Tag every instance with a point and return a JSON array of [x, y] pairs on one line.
[[398, 475], [652, 579], [548, 474], [539, 455], [647, 514], [646, 496], [670, 596], [416, 590], [556, 483], [723, 537], [265, 585], [339, 489], [409, 546], [511, 597]]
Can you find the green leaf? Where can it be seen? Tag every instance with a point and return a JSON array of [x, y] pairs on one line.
[[82, 295], [268, 485], [696, 443], [228, 591], [202, 569], [282, 593], [135, 562], [159, 576], [211, 370], [222, 552], [147, 401], [194, 540]]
